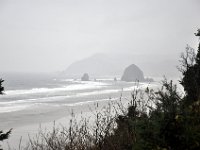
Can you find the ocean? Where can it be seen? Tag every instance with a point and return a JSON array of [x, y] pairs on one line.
[[41, 96]]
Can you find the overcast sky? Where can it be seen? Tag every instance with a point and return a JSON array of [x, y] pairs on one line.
[[48, 35]]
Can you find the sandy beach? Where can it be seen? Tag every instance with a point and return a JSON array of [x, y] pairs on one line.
[[24, 129]]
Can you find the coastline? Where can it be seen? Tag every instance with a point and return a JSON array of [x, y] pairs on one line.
[[42, 116]]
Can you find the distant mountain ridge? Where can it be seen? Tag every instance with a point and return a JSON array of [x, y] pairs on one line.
[[97, 65], [113, 65]]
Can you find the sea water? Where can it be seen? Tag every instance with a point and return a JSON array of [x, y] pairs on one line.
[[29, 96]]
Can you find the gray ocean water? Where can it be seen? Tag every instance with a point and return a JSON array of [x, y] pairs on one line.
[[26, 90], [28, 97]]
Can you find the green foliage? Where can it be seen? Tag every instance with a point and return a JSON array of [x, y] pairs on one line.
[[191, 74], [157, 129]]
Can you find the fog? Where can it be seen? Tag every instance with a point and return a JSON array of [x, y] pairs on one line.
[[49, 35]]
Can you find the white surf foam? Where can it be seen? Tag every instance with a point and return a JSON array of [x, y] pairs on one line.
[[57, 98], [20, 104], [83, 85], [76, 95]]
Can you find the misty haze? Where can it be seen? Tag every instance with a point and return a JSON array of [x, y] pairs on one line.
[[99, 74]]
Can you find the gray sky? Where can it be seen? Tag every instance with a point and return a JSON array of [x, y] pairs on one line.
[[48, 35]]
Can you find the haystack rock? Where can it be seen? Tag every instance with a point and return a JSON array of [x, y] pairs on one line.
[[85, 77], [133, 73]]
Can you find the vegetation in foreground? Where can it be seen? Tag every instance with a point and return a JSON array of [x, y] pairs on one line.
[[162, 120]]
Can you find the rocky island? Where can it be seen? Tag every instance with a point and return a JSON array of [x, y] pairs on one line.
[[133, 73], [85, 77]]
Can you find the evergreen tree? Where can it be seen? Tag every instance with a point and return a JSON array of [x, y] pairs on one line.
[[198, 65], [198, 52], [191, 74]]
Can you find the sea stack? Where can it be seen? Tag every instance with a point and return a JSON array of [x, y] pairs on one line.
[[133, 73], [85, 77]]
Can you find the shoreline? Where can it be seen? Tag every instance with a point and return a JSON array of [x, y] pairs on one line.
[[28, 122]]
